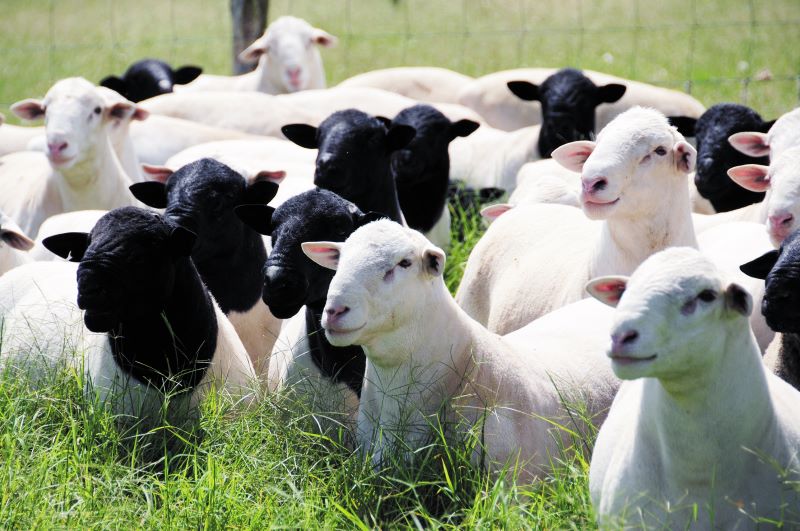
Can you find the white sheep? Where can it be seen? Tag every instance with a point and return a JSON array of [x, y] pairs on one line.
[[16, 138], [421, 83], [263, 114], [537, 257], [546, 181], [288, 61], [701, 436], [81, 169], [489, 96], [423, 352]]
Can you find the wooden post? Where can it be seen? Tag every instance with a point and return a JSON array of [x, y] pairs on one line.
[[249, 21]]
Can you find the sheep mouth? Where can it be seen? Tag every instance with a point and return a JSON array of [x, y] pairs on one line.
[[631, 360], [588, 200], [57, 160], [99, 321], [344, 331]]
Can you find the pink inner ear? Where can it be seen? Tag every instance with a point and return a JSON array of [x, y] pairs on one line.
[[140, 114], [275, 176], [754, 177], [750, 143], [28, 109], [157, 173], [573, 155], [321, 250], [611, 291], [493, 212]]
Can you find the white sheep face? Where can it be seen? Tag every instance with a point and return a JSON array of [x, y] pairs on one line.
[[288, 50], [674, 314], [637, 159], [384, 272], [75, 113]]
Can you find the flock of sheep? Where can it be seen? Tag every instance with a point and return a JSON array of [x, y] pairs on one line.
[[262, 230]]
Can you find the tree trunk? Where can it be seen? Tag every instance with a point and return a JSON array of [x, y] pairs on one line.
[[249, 22]]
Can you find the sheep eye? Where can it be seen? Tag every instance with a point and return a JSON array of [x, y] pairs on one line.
[[405, 263], [97, 110], [661, 151], [707, 295]]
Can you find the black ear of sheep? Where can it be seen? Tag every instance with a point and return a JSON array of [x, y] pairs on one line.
[[761, 266], [369, 217], [182, 241], [524, 90], [116, 84], [151, 193], [257, 217], [766, 126], [684, 124], [69, 245], [303, 135], [186, 74], [399, 136], [260, 192], [610, 93], [463, 128]]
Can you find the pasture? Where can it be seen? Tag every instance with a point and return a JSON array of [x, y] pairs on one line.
[[63, 460]]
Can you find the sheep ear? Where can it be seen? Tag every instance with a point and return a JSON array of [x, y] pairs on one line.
[[70, 245], [325, 254], [12, 234], [685, 156], [607, 290], [140, 113], [151, 193], [186, 74], [275, 176], [157, 173], [369, 217], [181, 241], [761, 266], [433, 260], [753, 177], [260, 192], [257, 217], [684, 124], [399, 136], [610, 93], [303, 135], [492, 212], [29, 109], [120, 111], [750, 143], [116, 84], [524, 90], [573, 155], [253, 53], [463, 128], [738, 299], [323, 38]]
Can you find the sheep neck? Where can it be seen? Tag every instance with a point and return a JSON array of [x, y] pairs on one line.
[[436, 353], [97, 182], [176, 345], [711, 413], [627, 240], [380, 197], [423, 202]]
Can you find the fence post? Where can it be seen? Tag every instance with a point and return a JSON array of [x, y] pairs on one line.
[[249, 21]]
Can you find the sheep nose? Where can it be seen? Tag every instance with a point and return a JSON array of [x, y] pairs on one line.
[[781, 220], [594, 184], [623, 339], [294, 73], [336, 311], [55, 148]]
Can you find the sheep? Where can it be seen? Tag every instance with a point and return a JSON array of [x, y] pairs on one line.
[[715, 155], [422, 167], [423, 352], [149, 325], [15, 138], [150, 77], [81, 169], [295, 286], [288, 61], [775, 267], [699, 435], [262, 114], [489, 97], [162, 137], [781, 182], [228, 255], [546, 181], [422, 83], [492, 158], [353, 157], [784, 134], [638, 160]]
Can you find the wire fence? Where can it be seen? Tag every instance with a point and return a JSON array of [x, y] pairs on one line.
[[719, 50]]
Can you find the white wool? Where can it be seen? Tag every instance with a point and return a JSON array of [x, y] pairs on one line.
[[421, 83]]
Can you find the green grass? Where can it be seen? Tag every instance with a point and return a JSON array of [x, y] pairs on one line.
[[64, 462]]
